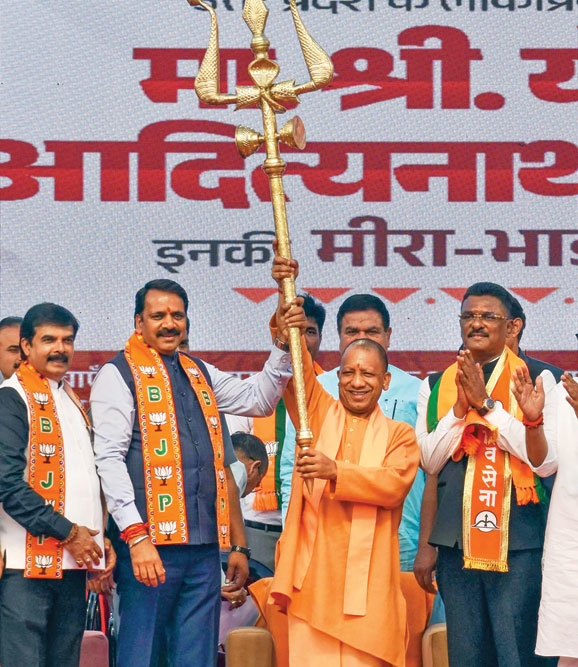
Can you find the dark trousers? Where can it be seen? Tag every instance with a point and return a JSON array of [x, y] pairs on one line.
[[492, 617], [41, 620], [180, 616]]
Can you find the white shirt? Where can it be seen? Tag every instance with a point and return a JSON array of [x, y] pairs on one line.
[[438, 446], [82, 503]]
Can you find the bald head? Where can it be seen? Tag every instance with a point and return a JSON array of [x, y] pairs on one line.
[[369, 345], [363, 376]]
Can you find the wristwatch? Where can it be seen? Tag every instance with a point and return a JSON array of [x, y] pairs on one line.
[[243, 550], [281, 344], [487, 406]]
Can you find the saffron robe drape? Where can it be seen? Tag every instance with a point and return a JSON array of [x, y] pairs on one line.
[[312, 555]]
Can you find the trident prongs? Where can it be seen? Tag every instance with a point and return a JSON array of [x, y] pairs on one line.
[[272, 98]]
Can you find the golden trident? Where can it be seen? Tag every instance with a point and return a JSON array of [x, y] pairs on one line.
[[271, 98]]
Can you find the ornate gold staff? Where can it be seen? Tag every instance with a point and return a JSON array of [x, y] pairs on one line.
[[271, 98]]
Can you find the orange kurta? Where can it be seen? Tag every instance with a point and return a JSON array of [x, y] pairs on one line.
[[314, 579]]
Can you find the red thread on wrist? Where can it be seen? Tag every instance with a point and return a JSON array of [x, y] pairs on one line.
[[134, 530], [533, 424]]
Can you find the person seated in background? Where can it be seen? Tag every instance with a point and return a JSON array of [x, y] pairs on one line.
[[252, 462]]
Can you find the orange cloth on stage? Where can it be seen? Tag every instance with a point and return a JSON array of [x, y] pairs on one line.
[[337, 565], [329, 652], [419, 604]]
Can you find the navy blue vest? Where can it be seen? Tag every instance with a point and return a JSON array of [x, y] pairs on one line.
[[196, 451]]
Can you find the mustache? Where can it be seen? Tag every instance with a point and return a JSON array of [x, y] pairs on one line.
[[59, 356], [168, 332], [477, 333]]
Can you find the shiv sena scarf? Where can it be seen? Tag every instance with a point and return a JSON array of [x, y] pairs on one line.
[[271, 431], [490, 470], [46, 467], [165, 494]]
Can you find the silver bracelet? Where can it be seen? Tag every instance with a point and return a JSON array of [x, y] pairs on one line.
[[138, 541]]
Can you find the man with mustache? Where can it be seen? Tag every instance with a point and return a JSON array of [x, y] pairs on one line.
[[489, 528], [9, 346], [164, 455], [51, 522]]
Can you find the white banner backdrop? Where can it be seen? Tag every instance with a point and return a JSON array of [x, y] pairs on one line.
[[444, 153]]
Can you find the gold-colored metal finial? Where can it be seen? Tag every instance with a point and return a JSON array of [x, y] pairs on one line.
[[248, 141], [255, 13], [271, 98], [293, 133]]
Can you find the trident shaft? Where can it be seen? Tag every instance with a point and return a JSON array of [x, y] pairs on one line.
[[272, 99]]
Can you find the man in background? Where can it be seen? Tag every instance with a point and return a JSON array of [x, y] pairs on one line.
[[262, 509], [9, 346]]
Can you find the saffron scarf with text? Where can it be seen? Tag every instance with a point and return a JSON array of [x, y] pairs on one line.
[[490, 470], [164, 484]]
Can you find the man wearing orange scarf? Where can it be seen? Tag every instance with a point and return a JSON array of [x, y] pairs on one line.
[[337, 574], [51, 518], [489, 528], [163, 455]]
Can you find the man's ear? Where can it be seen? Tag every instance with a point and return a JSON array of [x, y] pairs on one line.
[[254, 470], [514, 327], [25, 347], [138, 323], [386, 380]]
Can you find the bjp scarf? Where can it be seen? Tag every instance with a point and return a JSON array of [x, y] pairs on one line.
[[490, 470], [46, 468], [164, 486]]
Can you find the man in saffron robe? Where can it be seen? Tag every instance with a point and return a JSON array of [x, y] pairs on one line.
[[337, 573]]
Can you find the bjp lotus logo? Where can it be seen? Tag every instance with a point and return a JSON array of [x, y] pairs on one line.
[[195, 373], [48, 451], [43, 563], [221, 476], [214, 423], [149, 371], [50, 501], [167, 528], [163, 473], [158, 419], [41, 398]]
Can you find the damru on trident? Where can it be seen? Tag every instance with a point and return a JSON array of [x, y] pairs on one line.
[[271, 98]]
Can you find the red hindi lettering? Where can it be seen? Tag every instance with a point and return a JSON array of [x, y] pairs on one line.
[[19, 170], [455, 56], [371, 66], [185, 177], [375, 182], [164, 82], [564, 157], [461, 169], [560, 67]]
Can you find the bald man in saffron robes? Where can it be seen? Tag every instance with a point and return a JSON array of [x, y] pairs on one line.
[[337, 574]]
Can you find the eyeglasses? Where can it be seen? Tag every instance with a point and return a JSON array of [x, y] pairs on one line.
[[485, 318]]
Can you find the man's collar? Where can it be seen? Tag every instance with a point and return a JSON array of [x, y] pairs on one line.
[[170, 358]]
